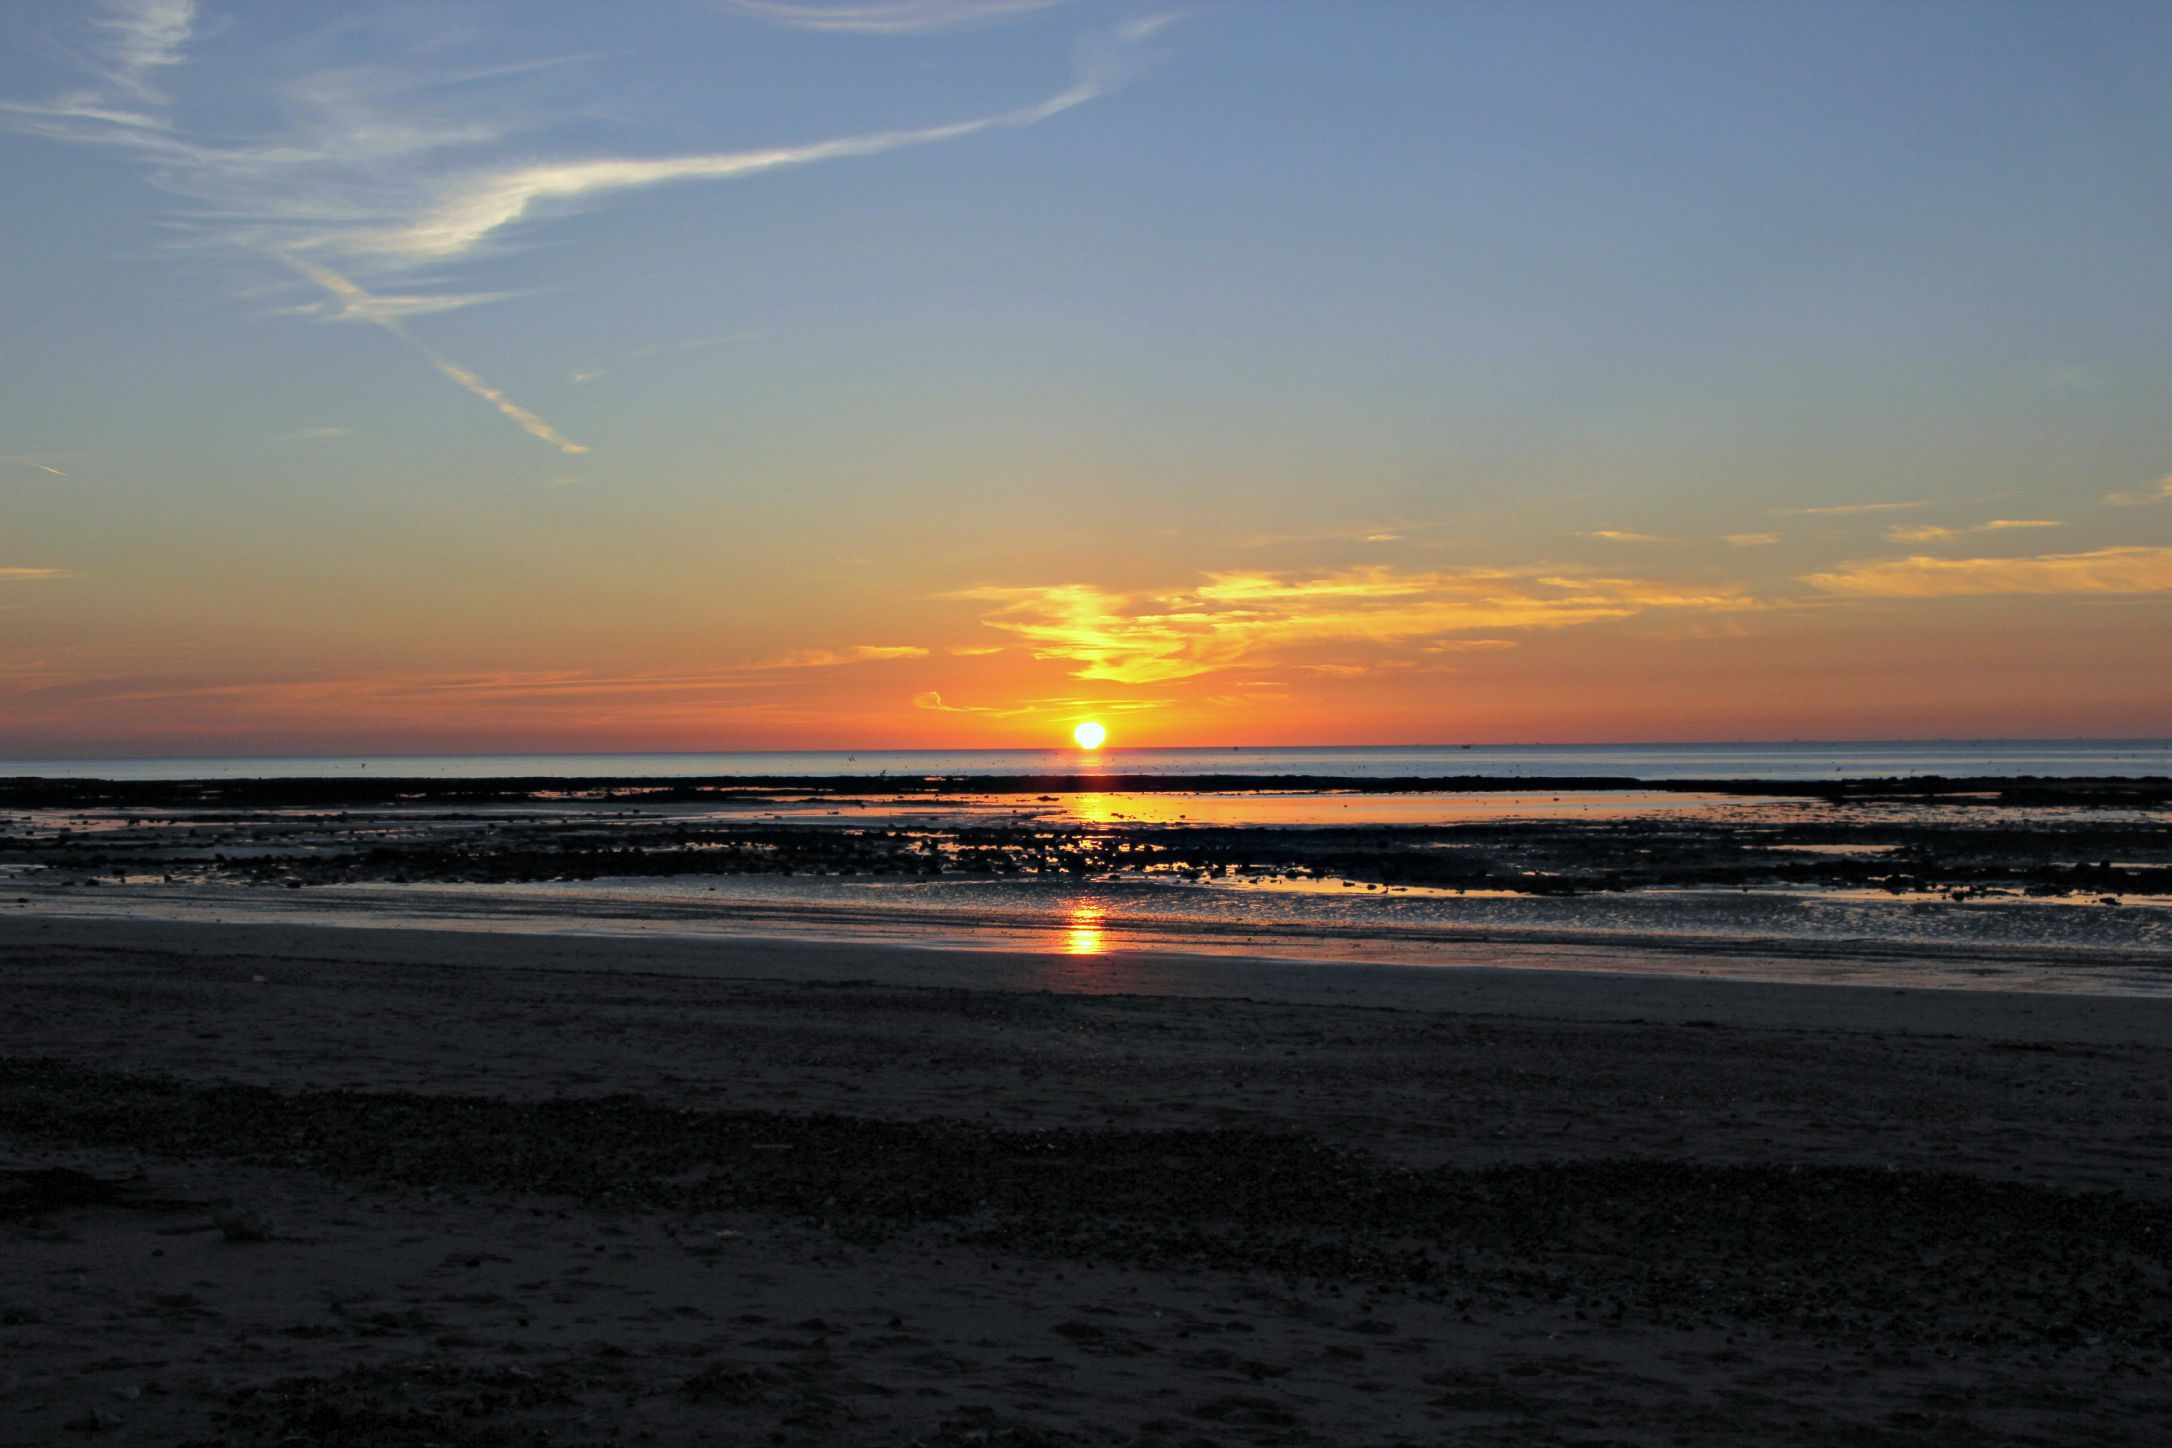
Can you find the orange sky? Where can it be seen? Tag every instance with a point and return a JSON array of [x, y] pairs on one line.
[[1236, 375]]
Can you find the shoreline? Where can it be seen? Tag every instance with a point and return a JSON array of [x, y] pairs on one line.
[[1508, 984], [1104, 930]]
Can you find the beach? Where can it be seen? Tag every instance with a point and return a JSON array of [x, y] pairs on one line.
[[1059, 724], [412, 1186]]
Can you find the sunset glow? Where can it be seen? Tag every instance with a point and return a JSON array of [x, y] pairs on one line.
[[1229, 375]]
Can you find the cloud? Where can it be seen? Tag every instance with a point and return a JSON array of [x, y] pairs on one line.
[[2162, 492], [1237, 618], [366, 171], [1146, 27], [36, 461], [887, 17], [310, 434], [1393, 533], [146, 35], [2105, 571], [1469, 646], [525, 420], [470, 209], [31, 575], [351, 302], [1738, 540], [1620, 535], [364, 306], [1838, 509], [831, 658], [933, 700], [130, 40], [1932, 533], [381, 308]]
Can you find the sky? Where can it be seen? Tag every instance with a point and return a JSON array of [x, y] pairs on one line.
[[737, 374]]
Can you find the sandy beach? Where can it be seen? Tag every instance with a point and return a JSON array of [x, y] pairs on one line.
[[1065, 724], [402, 1186]]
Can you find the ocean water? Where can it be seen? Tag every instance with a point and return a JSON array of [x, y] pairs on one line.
[[1861, 759]]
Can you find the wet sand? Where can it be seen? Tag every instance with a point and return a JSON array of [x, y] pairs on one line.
[[482, 1188]]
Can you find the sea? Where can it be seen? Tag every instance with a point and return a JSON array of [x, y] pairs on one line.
[[1762, 759], [2008, 941]]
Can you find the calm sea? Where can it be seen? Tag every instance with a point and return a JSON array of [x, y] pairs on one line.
[[2057, 758]]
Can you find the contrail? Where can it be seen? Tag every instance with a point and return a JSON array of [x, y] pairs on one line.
[[363, 305]]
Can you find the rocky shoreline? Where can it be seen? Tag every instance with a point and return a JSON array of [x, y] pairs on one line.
[[2098, 839]]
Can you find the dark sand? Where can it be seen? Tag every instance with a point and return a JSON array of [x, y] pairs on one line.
[[522, 1189]]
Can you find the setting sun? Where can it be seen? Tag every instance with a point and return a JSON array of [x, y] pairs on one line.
[[1090, 735]]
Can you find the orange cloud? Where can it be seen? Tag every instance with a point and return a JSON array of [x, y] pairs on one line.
[[2105, 571], [1932, 533], [830, 658], [1237, 618], [1623, 535], [1840, 509]]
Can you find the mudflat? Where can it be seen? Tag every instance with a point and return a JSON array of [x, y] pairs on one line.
[[272, 1183]]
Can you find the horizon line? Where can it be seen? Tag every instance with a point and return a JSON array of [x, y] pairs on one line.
[[1067, 749]]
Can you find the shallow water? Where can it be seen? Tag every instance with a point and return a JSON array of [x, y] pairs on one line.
[[1857, 938], [1038, 894]]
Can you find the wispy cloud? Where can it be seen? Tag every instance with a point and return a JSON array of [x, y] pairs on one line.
[[831, 658], [31, 575], [2161, 493], [932, 699], [373, 172], [145, 36], [887, 17], [520, 416], [2105, 571], [36, 461], [468, 210], [1389, 533], [364, 306], [130, 41], [357, 305], [1932, 533], [1239, 618], [1842, 509], [310, 434], [1623, 535]]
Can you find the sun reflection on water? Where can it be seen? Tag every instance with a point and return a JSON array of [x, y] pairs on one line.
[[1083, 936]]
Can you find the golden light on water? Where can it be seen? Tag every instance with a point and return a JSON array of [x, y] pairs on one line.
[[1083, 937], [1090, 735]]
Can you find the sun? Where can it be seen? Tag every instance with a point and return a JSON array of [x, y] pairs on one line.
[[1090, 735]]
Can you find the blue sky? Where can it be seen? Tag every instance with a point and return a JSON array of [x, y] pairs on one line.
[[800, 362]]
